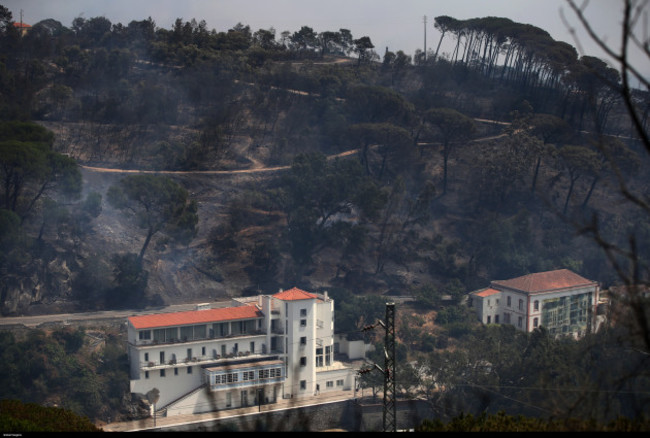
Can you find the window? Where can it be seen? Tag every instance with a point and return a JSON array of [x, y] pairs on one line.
[[489, 318], [496, 319], [162, 357], [176, 371], [339, 382], [303, 323], [202, 351], [162, 373], [303, 340], [303, 384], [189, 353], [146, 374], [536, 305], [199, 332], [508, 302], [144, 335], [187, 333], [189, 370], [535, 322], [520, 322], [171, 334], [328, 355], [521, 304], [228, 399], [303, 312], [303, 361], [146, 357], [329, 384], [252, 347]]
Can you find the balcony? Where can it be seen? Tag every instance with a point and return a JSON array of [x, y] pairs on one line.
[[152, 342], [200, 360]]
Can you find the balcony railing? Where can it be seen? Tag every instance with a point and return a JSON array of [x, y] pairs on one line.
[[246, 383], [201, 360], [207, 338]]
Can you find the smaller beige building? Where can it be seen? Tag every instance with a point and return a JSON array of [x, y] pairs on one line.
[[561, 301]]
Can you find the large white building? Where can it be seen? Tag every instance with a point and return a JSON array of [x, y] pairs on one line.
[[561, 301], [256, 350]]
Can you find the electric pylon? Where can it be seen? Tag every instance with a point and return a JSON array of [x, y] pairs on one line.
[[390, 402]]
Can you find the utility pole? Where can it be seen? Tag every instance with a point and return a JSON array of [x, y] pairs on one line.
[[390, 401]]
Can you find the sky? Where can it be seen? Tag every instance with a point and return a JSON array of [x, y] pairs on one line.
[[393, 24]]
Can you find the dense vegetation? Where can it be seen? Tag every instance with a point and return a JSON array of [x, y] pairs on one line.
[[17, 417], [486, 163], [62, 369]]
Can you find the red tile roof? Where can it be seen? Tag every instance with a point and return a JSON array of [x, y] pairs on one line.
[[544, 281], [294, 294], [194, 317], [487, 292], [22, 25]]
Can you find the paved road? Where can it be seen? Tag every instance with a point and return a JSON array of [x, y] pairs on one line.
[[67, 318]]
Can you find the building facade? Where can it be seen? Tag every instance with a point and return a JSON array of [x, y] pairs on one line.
[[252, 351], [561, 301]]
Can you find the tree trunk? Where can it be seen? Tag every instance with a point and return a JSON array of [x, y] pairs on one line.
[[150, 234], [591, 190], [568, 195]]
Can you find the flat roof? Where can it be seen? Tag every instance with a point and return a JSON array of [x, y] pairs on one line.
[[194, 317]]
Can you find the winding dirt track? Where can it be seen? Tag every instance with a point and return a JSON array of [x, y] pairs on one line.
[[210, 172]]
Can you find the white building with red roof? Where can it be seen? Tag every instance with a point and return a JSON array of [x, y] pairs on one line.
[[254, 350], [561, 301]]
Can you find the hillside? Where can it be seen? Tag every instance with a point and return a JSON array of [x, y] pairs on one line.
[[455, 175]]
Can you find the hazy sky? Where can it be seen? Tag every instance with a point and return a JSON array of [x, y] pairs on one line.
[[396, 24]]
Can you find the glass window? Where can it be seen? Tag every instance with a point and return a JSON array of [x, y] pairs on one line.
[[171, 334], [187, 333], [159, 335], [199, 332]]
